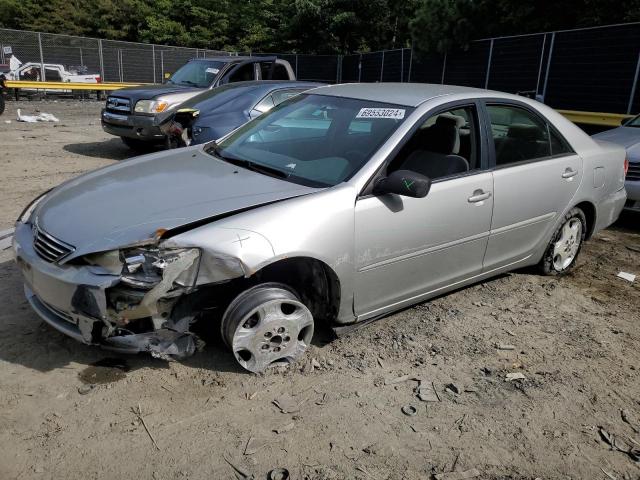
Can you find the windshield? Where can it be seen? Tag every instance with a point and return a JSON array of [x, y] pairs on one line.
[[634, 122], [197, 74], [314, 140]]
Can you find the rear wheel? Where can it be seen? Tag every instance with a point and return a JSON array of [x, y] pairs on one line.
[[1, 102], [565, 245], [267, 325]]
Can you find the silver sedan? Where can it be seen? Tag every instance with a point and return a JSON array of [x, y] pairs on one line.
[[339, 206]]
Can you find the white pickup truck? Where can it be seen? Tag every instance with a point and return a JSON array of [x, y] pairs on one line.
[[49, 72]]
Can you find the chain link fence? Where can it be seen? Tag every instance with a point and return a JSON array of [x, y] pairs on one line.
[[593, 69]]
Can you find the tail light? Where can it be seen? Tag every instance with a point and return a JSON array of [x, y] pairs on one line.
[[98, 80], [626, 165]]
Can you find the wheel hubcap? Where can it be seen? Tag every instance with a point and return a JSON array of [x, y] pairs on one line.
[[276, 332], [566, 247]]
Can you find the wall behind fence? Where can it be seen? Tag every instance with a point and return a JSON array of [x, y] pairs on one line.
[[594, 69]]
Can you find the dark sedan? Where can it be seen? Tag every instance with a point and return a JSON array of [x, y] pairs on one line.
[[214, 113]]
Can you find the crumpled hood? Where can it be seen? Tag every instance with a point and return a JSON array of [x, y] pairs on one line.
[[126, 203], [623, 136]]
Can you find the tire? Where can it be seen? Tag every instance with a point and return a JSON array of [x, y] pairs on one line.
[[267, 325], [137, 145], [565, 245]]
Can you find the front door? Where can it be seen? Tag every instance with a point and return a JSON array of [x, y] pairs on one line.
[[407, 248]]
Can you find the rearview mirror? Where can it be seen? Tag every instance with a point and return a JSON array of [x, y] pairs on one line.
[[405, 183]]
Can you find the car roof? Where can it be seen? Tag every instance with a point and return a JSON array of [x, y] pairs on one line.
[[407, 94], [230, 58], [269, 84]]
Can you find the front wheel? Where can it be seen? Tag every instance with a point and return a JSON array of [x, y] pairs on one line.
[[267, 325], [565, 245]]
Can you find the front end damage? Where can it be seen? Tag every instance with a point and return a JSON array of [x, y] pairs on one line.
[[139, 309], [131, 300]]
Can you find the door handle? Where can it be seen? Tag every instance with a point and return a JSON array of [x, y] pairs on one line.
[[569, 172], [478, 196]]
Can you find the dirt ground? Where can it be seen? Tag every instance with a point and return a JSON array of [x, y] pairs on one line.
[[575, 339]]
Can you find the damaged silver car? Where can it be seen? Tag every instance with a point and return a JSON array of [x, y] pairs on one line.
[[338, 206]]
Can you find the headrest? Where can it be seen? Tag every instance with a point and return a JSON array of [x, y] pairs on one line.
[[527, 133], [449, 119]]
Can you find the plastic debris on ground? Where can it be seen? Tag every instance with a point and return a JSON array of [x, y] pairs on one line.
[[40, 117], [630, 277]]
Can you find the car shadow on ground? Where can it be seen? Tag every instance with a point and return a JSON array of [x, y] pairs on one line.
[[112, 149], [27, 340]]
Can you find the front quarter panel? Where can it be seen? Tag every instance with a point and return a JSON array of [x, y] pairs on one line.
[[318, 225]]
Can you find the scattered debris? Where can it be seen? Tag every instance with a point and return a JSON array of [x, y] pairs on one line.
[[608, 474], [458, 475], [41, 117], [380, 362], [403, 378], [515, 376], [84, 389], [144, 424], [633, 248], [503, 346], [279, 474], [239, 470], [287, 404], [409, 410], [252, 446], [630, 277], [427, 392], [314, 364], [618, 445], [284, 429], [452, 388]]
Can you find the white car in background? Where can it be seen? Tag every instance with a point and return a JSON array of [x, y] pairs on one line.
[[628, 136]]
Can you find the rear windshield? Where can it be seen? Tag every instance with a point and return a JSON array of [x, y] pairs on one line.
[[314, 140], [197, 74]]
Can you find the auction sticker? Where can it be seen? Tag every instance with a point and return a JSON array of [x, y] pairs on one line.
[[397, 113]]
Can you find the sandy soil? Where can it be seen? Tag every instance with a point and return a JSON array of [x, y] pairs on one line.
[[576, 340]]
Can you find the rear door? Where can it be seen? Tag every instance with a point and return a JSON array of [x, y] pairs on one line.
[[535, 175]]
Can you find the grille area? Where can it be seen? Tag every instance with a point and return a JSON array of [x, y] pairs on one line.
[[49, 248], [634, 171], [118, 105]]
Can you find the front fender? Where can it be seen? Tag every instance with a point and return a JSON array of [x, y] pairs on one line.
[[226, 253]]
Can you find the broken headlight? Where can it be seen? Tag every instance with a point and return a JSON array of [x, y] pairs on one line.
[[147, 267]]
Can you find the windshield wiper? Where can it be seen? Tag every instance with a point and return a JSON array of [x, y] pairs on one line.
[[189, 82], [248, 164]]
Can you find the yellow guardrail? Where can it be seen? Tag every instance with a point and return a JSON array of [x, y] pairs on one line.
[[595, 118], [68, 85]]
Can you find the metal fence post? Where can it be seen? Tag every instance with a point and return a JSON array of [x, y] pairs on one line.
[[544, 42], [162, 66], [44, 78], [634, 86], [339, 69], [296, 65], [486, 80], [546, 74], [360, 69], [401, 65], [153, 53], [81, 59], [444, 67], [410, 64], [101, 60], [382, 66], [120, 73]]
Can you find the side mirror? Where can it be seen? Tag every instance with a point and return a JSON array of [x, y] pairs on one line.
[[405, 183]]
